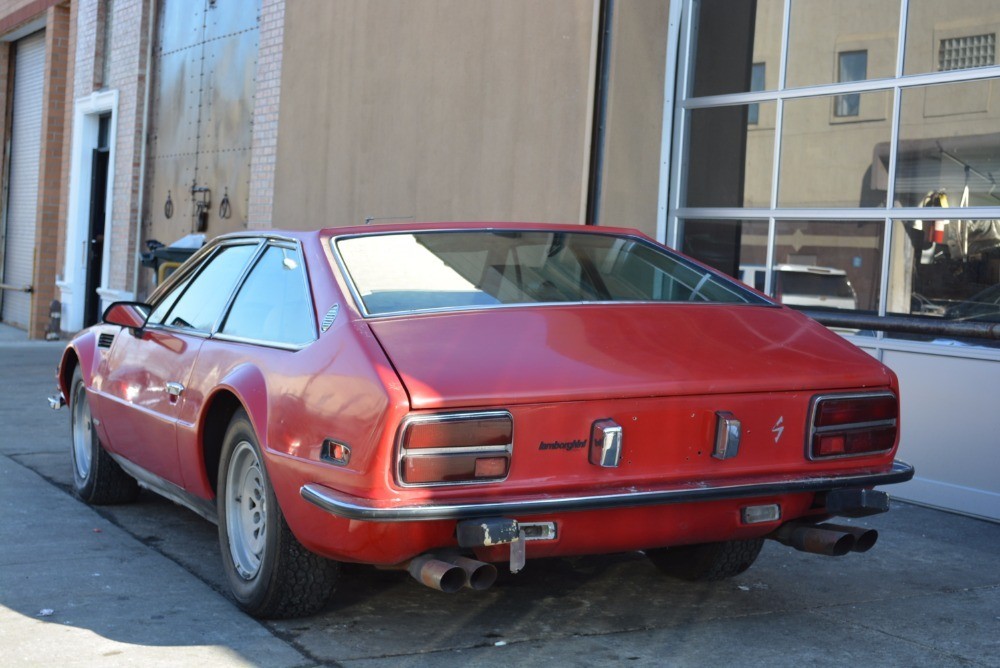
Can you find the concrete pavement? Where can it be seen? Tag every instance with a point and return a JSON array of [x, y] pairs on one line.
[[142, 585], [77, 590]]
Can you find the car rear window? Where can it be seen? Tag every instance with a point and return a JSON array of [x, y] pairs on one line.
[[406, 272]]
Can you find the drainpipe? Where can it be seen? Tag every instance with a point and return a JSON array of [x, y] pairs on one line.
[[600, 110], [150, 34]]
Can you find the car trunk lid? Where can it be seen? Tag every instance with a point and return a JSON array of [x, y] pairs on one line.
[[524, 355]]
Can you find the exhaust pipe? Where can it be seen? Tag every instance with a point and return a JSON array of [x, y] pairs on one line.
[[478, 575], [437, 574], [864, 539], [810, 538]]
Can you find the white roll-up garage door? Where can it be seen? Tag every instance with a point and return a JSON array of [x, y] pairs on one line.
[[22, 198]]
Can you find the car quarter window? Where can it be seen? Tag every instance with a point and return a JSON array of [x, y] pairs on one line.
[[273, 304], [198, 301]]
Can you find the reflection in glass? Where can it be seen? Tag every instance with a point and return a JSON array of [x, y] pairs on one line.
[[821, 31], [852, 66], [736, 247], [949, 146], [828, 264], [953, 35], [730, 161], [732, 35], [756, 83], [946, 268], [828, 162]]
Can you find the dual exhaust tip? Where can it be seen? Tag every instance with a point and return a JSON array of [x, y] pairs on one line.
[[450, 573], [832, 540]]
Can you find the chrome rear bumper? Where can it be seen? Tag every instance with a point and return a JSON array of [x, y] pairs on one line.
[[356, 508]]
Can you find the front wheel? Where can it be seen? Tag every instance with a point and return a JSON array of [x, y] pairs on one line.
[[97, 478], [270, 573], [707, 561]]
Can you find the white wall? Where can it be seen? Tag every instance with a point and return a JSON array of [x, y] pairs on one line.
[[950, 427]]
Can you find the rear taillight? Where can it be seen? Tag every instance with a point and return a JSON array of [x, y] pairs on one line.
[[846, 425], [455, 448]]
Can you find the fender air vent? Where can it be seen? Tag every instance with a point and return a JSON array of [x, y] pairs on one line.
[[105, 340], [330, 316]]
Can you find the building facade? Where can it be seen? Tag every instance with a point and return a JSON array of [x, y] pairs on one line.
[[806, 146], [35, 76]]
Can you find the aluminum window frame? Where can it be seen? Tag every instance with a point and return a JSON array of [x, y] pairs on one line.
[[677, 212]]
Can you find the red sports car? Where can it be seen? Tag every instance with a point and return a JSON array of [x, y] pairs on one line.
[[443, 397]]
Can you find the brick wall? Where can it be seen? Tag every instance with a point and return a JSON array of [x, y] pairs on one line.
[[52, 174], [126, 55], [127, 74], [55, 136], [60, 258], [85, 47], [4, 81], [265, 114]]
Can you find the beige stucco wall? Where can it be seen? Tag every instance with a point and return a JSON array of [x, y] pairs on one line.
[[630, 178], [440, 110]]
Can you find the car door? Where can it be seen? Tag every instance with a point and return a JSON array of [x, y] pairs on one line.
[[270, 318], [144, 391]]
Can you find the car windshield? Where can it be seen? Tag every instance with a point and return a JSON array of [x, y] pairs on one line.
[[404, 272]]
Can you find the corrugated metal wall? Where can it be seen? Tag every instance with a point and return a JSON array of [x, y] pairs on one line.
[[22, 198]]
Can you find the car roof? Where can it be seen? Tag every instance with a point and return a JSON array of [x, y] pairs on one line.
[[389, 228], [396, 228]]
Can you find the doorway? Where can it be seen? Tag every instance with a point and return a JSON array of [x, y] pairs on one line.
[[98, 210]]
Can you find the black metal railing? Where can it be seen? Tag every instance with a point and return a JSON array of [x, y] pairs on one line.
[[913, 324]]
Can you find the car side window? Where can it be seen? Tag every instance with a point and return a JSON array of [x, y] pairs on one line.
[[203, 297], [167, 303], [274, 303]]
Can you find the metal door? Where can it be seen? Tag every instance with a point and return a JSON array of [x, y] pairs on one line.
[[205, 63], [18, 260]]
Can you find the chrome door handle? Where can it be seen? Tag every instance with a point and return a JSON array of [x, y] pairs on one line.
[[174, 389]]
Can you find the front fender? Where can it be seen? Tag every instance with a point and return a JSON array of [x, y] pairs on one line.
[[82, 352]]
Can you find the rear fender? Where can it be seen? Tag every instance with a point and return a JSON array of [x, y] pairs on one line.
[[247, 383]]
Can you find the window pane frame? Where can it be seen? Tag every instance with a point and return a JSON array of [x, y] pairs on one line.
[[890, 211]]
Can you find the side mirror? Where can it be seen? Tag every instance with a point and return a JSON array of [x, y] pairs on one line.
[[127, 314]]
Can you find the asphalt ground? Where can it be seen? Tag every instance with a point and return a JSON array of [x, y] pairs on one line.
[[142, 584]]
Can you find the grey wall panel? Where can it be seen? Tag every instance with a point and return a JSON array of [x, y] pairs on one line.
[[226, 107], [174, 175], [226, 17], [181, 25], [177, 103]]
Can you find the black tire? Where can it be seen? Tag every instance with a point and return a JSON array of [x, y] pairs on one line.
[[270, 574], [707, 562], [97, 478]]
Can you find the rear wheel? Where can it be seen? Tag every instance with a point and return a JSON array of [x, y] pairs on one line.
[[707, 561], [97, 478], [270, 573]]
